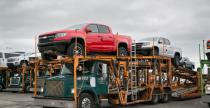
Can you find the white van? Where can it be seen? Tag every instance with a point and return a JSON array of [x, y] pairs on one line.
[[4, 56]]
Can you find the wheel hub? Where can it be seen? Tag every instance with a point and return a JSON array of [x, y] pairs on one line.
[[86, 103]]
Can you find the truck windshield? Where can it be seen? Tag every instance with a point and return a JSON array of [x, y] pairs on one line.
[[76, 27], [67, 69], [150, 39]]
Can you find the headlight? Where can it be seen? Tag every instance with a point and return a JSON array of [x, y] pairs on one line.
[[41, 89], [72, 91], [60, 35], [16, 59], [208, 88]]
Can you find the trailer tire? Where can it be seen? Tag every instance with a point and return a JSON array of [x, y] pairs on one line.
[[86, 101], [155, 97], [1, 87], [165, 98], [122, 51]]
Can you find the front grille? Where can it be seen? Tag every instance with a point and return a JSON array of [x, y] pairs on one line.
[[54, 88], [139, 45], [47, 38], [15, 80], [10, 60]]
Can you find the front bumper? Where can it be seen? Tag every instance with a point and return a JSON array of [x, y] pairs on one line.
[[13, 64], [52, 102], [11, 89], [57, 47]]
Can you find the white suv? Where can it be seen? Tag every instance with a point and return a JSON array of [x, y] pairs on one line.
[[162, 46]]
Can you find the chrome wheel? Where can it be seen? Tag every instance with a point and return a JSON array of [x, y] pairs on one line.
[[86, 103]]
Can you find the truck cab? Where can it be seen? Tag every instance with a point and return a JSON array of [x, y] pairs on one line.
[[16, 83], [92, 83]]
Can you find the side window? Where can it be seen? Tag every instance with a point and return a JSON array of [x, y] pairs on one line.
[[1, 56], [8, 55], [103, 29], [161, 41], [167, 42], [93, 28]]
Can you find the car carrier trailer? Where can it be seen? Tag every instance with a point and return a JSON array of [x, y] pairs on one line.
[[95, 81]]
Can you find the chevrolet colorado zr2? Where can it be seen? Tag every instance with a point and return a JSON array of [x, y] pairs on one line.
[[89, 37]]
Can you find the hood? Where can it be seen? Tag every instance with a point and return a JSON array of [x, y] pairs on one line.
[[60, 31]]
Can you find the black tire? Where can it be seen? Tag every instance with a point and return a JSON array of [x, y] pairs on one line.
[[27, 89], [48, 57], [1, 87], [122, 51], [165, 98], [176, 60], [209, 105], [86, 101], [155, 97], [71, 50]]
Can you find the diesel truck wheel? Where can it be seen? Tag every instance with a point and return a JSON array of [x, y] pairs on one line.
[[75, 50], [122, 51], [86, 101]]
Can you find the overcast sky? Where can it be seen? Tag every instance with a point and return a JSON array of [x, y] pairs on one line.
[[185, 22]]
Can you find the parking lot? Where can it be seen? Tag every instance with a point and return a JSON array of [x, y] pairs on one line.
[[19, 100]]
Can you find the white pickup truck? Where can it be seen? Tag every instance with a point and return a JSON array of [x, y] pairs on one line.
[[21, 59], [4, 56], [162, 46]]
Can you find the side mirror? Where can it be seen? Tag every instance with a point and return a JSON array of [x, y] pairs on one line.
[[104, 68], [160, 42], [88, 30]]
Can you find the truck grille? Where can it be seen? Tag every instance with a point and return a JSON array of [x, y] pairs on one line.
[[54, 88], [47, 38], [10, 60], [15, 81], [139, 45]]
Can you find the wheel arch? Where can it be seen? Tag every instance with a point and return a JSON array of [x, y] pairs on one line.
[[123, 44]]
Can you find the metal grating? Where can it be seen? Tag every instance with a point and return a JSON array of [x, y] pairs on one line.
[[54, 88]]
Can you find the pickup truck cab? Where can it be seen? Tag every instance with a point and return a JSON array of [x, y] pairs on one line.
[[89, 37], [162, 46], [208, 49]]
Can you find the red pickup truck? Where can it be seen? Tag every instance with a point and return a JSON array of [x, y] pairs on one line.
[[94, 37]]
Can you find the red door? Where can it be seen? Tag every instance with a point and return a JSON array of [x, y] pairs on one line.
[[93, 40], [107, 39]]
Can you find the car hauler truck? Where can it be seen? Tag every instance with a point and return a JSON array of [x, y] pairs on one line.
[[97, 81]]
